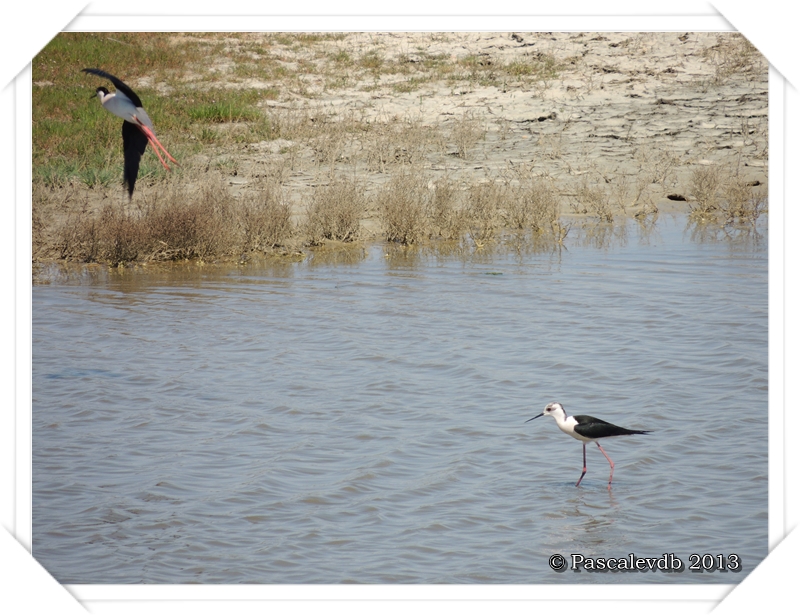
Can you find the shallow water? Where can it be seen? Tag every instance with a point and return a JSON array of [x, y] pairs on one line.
[[363, 421]]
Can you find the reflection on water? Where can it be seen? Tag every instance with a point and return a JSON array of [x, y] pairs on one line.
[[341, 254], [360, 416], [742, 236]]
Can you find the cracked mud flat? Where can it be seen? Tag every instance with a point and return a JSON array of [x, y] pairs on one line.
[[628, 100]]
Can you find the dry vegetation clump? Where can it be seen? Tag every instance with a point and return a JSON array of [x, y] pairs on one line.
[[445, 213], [335, 212], [178, 223], [732, 55], [333, 142], [722, 193], [111, 236], [465, 133], [628, 190], [532, 203], [186, 224], [483, 210], [403, 142], [704, 185], [592, 199], [266, 217], [741, 202], [403, 204], [293, 123], [654, 176]]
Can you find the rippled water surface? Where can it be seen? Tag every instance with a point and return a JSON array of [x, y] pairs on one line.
[[364, 421]]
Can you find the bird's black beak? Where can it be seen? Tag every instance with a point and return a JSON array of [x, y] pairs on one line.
[[532, 418]]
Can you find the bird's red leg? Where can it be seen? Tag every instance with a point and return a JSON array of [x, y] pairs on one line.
[[584, 466], [155, 149], [610, 462], [151, 137]]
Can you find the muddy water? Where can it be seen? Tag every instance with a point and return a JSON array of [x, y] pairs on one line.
[[363, 421]]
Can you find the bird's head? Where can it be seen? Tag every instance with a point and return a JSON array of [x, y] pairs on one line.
[[100, 93], [553, 409]]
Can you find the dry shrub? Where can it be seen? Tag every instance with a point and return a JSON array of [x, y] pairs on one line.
[[266, 218], [405, 143], [41, 221], [483, 210], [112, 235], [416, 139], [659, 166], [403, 203], [629, 191], [121, 235], [465, 133], [186, 224], [177, 223], [722, 193], [335, 212], [740, 202], [447, 219], [329, 146], [733, 55], [533, 203], [592, 198], [380, 149], [293, 124], [333, 137], [703, 185], [639, 188]]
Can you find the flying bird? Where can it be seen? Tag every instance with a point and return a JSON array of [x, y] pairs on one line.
[[137, 129]]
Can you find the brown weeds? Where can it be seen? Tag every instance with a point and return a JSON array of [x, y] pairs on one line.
[[335, 212], [721, 193], [266, 218], [483, 210], [740, 202], [532, 203], [592, 199], [403, 203], [445, 214], [704, 185], [465, 132]]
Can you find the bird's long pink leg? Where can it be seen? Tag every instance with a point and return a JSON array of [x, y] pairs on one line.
[[151, 137], [155, 149], [584, 466], [610, 462]]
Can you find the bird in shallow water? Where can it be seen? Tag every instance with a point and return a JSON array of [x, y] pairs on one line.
[[586, 429], [137, 128]]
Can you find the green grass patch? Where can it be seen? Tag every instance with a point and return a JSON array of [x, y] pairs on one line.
[[223, 111]]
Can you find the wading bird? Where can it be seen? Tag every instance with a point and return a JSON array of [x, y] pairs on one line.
[[587, 429], [137, 129]]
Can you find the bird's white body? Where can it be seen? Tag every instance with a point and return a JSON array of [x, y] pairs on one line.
[[122, 107]]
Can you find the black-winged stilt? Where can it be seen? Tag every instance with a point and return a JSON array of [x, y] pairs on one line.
[[586, 429], [137, 129]]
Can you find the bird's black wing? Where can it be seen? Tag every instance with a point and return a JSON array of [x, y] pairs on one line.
[[118, 83], [134, 142], [591, 427]]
